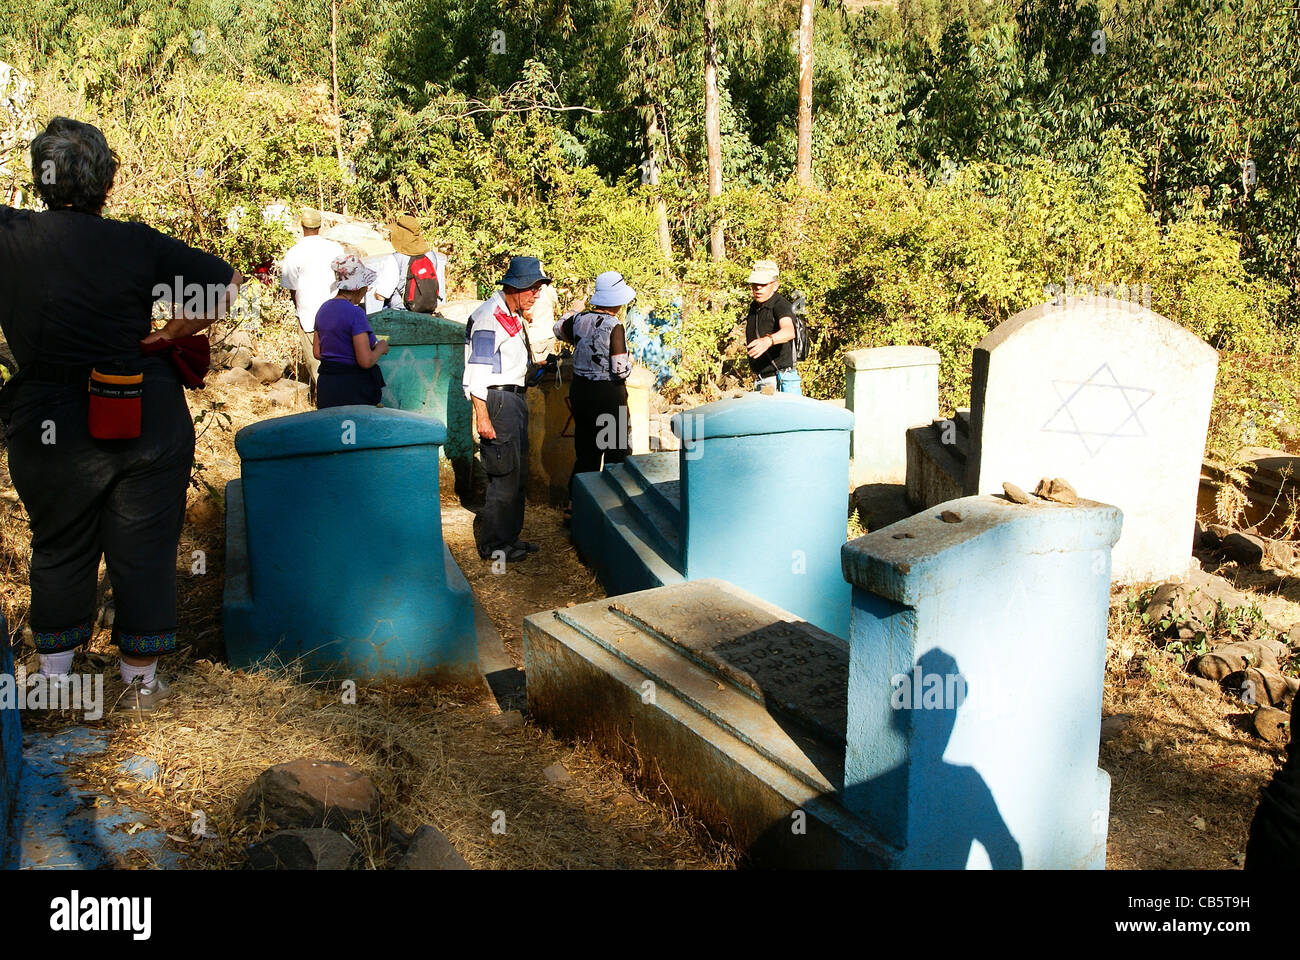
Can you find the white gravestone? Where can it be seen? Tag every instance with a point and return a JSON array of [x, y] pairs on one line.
[[1110, 396], [889, 389]]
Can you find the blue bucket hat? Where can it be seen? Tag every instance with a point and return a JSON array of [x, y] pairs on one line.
[[611, 290], [523, 273]]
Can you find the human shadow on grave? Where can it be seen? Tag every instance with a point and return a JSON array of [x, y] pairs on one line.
[[952, 805]]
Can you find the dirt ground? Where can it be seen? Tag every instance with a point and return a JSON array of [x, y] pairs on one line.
[[1185, 771]]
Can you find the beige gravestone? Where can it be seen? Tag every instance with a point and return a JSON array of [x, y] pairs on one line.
[[1110, 396]]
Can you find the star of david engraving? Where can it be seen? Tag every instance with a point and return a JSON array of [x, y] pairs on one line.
[[1098, 409], [404, 364]]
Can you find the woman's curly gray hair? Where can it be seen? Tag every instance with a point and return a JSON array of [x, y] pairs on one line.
[[72, 166]]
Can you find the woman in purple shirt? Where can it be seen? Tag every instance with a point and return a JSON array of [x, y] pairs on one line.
[[344, 343]]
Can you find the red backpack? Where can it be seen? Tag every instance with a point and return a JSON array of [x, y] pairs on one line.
[[421, 292]]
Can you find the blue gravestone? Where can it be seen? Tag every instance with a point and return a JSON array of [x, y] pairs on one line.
[[757, 495], [11, 748], [977, 655], [335, 552]]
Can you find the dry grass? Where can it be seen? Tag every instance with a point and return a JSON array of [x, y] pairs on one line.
[[432, 752]]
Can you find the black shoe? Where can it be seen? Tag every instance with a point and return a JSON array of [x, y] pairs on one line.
[[513, 554], [526, 545]]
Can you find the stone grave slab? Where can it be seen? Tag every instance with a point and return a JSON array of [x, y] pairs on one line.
[[741, 705]]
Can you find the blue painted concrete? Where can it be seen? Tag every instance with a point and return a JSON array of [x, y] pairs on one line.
[[11, 749], [335, 553], [1007, 606], [61, 823], [756, 496]]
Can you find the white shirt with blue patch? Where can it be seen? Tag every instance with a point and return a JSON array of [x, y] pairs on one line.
[[495, 350]]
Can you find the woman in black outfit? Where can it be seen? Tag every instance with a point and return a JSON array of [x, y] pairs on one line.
[[103, 474], [601, 364]]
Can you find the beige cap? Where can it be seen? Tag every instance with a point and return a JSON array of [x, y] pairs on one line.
[[763, 271], [309, 218]]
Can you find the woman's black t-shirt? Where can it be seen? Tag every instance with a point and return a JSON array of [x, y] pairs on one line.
[[76, 289]]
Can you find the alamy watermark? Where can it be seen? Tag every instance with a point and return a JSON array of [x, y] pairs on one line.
[[73, 691], [1127, 296]]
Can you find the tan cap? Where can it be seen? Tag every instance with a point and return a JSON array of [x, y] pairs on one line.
[[763, 271], [309, 218]]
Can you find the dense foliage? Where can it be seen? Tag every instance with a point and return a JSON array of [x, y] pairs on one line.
[[966, 153]]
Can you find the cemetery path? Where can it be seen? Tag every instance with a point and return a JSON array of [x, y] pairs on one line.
[[552, 577]]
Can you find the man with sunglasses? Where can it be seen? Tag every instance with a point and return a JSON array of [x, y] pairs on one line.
[[769, 331]]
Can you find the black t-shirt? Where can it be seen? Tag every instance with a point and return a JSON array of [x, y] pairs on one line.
[[763, 319], [77, 289]]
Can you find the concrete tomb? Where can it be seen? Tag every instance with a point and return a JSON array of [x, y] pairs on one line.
[[915, 744], [334, 549], [423, 370], [889, 389], [756, 495], [1106, 394]]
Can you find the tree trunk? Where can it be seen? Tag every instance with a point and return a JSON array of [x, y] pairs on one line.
[[334, 77], [652, 177], [712, 133], [804, 166]]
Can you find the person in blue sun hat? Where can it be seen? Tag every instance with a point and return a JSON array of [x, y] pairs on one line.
[[601, 364]]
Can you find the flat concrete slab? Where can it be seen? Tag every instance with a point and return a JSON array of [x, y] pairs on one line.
[[704, 684]]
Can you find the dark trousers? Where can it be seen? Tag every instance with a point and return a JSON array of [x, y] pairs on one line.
[[123, 499], [505, 461], [600, 424], [344, 384]]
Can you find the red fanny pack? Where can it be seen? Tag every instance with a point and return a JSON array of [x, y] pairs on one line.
[[114, 412]]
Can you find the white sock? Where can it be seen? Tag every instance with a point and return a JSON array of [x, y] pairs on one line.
[[145, 674], [57, 664]]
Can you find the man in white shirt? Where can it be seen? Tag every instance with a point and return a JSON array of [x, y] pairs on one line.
[[307, 275], [496, 364]]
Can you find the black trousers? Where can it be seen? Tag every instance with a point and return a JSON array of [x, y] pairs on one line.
[[600, 424], [122, 499], [505, 460]]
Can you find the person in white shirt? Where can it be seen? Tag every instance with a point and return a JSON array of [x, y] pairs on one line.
[[307, 275], [496, 365]]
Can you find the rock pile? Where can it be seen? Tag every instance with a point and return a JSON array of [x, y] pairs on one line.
[[1219, 634], [241, 367], [316, 804]]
